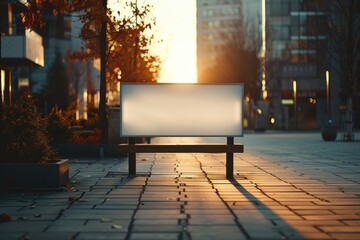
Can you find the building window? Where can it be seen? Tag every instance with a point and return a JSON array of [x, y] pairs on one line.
[[68, 24], [280, 8], [205, 25]]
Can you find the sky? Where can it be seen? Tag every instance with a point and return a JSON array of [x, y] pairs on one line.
[[176, 28]]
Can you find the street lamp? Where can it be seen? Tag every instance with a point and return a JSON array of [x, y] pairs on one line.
[[328, 132], [327, 77], [263, 57], [295, 107]]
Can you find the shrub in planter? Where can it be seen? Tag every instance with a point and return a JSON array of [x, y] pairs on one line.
[[24, 147], [94, 138], [23, 134], [59, 126]]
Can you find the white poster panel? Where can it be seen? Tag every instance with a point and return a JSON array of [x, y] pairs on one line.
[[168, 109]]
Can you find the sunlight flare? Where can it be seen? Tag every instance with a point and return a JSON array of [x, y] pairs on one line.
[[175, 38]]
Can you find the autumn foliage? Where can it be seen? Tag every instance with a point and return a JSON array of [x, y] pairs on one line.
[[121, 40], [128, 35], [24, 137], [77, 138]]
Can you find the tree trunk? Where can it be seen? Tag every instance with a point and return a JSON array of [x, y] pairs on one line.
[[102, 103], [348, 134], [1, 102]]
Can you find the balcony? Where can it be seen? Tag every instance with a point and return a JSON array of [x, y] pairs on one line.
[[22, 50]]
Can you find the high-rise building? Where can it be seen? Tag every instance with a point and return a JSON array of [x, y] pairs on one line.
[[215, 19], [295, 62], [297, 56]]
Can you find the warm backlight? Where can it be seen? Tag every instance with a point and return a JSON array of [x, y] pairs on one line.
[[181, 109], [174, 37], [176, 28]]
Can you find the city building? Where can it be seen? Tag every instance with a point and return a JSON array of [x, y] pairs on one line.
[[297, 56], [61, 36], [20, 50], [26, 57], [215, 19], [295, 69], [225, 28]]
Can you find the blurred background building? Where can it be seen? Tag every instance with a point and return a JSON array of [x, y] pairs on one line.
[[215, 20], [41, 61], [294, 53], [20, 50], [298, 53]]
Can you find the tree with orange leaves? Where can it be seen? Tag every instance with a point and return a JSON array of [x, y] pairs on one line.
[[119, 41]]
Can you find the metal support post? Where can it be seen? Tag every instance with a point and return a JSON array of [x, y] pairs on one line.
[[230, 160], [132, 158]]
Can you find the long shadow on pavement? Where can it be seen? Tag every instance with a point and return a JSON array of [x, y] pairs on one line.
[[259, 221]]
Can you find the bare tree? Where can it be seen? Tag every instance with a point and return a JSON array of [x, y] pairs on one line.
[[342, 55], [343, 35], [236, 59]]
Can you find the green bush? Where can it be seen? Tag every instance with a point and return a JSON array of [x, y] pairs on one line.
[[24, 133]]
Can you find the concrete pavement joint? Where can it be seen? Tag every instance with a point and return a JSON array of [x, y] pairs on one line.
[[307, 193], [242, 229], [131, 224]]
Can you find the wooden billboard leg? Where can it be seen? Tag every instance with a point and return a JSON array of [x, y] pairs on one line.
[[230, 160]]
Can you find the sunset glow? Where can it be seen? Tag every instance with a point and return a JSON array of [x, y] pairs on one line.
[[176, 23], [175, 38]]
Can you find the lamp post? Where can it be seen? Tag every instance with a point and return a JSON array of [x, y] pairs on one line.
[[328, 132], [263, 57], [327, 78], [295, 104]]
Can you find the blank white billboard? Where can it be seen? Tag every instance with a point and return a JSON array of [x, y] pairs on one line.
[[167, 109]]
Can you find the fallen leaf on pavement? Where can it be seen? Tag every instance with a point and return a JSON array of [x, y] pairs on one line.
[[116, 226], [5, 217]]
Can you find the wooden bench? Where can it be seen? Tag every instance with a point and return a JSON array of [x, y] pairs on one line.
[[181, 110]]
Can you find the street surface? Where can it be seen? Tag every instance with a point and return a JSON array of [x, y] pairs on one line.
[[287, 186]]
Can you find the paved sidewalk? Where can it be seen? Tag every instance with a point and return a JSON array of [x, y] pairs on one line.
[[288, 186]]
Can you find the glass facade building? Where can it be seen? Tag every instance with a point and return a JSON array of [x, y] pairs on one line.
[[215, 22], [296, 49]]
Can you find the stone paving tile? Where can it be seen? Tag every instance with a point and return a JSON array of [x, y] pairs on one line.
[[156, 229], [301, 188], [346, 236], [50, 235], [155, 216], [340, 229], [314, 223], [118, 201], [12, 236], [116, 207], [332, 217], [88, 226], [216, 232], [352, 222], [154, 236], [194, 212], [156, 222], [101, 236], [108, 225], [211, 219], [26, 226], [161, 205], [96, 214]]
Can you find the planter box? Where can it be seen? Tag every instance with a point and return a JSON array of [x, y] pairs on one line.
[[88, 150], [34, 175]]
